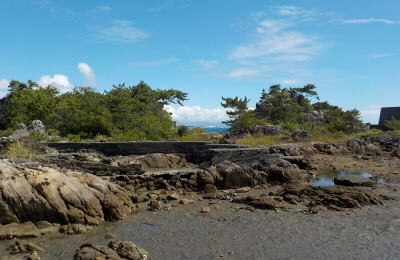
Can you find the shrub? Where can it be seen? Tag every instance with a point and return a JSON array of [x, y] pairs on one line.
[[183, 130], [37, 135], [20, 150], [393, 124], [75, 138]]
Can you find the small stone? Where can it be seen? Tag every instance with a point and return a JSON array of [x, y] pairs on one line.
[[205, 209], [34, 248], [152, 196], [110, 236], [155, 204], [172, 195], [187, 201], [210, 189], [242, 190]]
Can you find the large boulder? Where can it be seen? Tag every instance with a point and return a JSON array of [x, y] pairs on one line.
[[42, 193]]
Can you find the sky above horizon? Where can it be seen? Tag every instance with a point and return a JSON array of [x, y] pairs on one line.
[[209, 49]]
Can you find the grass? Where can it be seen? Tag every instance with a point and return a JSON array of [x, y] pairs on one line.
[[20, 150], [205, 137], [257, 140]]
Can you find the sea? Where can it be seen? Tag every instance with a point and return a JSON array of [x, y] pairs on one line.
[[216, 129]]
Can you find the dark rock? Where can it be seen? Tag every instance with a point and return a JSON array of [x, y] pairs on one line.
[[94, 163], [262, 203], [354, 180], [75, 229], [210, 189], [300, 134]]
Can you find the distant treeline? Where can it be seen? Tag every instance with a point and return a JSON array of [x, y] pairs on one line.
[[123, 113]]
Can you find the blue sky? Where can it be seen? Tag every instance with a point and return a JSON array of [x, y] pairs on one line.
[[210, 49]]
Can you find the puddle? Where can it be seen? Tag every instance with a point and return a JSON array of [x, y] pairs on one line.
[[325, 178]]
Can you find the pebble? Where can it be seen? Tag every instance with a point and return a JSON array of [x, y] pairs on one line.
[[205, 209], [110, 236], [187, 201], [243, 190]]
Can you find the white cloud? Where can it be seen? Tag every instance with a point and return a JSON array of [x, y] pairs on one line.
[[196, 113], [288, 46], [103, 8], [382, 55], [289, 81], [207, 64], [120, 31], [371, 113], [296, 12], [4, 84], [87, 72], [277, 46], [154, 63], [272, 26], [4, 87], [243, 73], [370, 20], [59, 81]]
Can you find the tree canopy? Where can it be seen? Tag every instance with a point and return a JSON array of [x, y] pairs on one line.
[[123, 113], [293, 106]]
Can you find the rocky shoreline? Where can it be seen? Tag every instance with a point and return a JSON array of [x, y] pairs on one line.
[[72, 192]]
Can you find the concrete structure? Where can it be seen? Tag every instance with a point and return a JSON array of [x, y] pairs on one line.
[[387, 113], [138, 148]]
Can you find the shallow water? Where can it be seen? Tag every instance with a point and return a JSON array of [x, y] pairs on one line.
[[325, 178]]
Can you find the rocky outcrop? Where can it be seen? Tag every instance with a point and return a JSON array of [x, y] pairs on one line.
[[158, 160], [42, 193], [94, 163], [333, 197], [315, 116], [116, 250], [22, 130]]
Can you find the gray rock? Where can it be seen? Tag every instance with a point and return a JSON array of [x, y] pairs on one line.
[[20, 131], [37, 126]]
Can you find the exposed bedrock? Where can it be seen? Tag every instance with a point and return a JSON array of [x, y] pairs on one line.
[[227, 168], [42, 193]]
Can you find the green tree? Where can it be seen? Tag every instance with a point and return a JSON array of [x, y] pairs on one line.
[[238, 107], [82, 112], [392, 124], [28, 102]]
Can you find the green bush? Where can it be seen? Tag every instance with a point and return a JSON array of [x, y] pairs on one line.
[[393, 124], [183, 130], [37, 135], [20, 150], [75, 137]]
